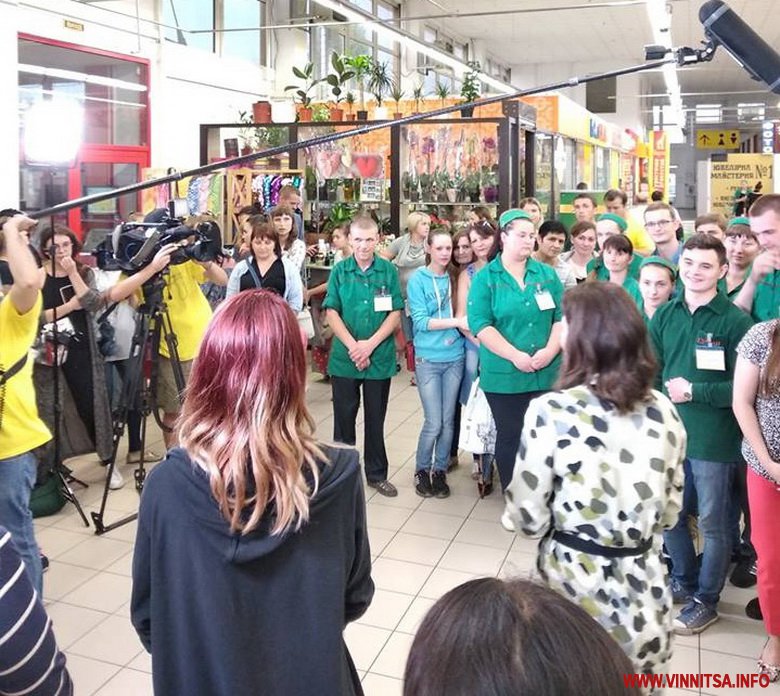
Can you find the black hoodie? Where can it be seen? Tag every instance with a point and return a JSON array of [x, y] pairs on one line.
[[230, 615]]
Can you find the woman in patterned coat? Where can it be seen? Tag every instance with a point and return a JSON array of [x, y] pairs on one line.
[[599, 475]]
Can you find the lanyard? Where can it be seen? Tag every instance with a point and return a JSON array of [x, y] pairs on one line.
[[438, 296]]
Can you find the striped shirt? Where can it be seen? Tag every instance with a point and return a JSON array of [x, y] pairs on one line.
[[30, 662]]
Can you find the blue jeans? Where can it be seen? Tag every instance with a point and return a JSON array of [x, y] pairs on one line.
[[470, 370], [17, 478], [438, 385], [712, 484]]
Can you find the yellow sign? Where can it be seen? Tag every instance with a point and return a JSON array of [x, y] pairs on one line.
[[717, 139], [738, 169]]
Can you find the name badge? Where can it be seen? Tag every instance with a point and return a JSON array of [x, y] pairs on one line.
[[710, 358], [544, 300], [383, 303]]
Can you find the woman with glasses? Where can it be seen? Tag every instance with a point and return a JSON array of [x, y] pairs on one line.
[[514, 309], [70, 297]]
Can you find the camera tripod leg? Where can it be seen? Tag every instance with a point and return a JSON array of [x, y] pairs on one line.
[[65, 480]]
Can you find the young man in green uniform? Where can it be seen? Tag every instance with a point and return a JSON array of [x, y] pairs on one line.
[[661, 224], [363, 306], [695, 336], [760, 295]]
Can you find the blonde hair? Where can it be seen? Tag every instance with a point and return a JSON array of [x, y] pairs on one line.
[[248, 429], [415, 219]]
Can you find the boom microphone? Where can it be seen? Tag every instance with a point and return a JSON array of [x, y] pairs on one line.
[[724, 27]]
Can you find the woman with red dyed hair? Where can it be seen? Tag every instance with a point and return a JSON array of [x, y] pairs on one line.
[[252, 550]]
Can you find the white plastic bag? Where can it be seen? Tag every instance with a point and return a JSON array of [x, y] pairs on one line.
[[477, 427]]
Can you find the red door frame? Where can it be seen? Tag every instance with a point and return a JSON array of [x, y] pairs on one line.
[[101, 154], [95, 152]]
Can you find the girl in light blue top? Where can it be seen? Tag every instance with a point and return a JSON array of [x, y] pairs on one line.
[[438, 348]]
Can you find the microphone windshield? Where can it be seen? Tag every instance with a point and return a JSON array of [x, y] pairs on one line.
[[726, 28]]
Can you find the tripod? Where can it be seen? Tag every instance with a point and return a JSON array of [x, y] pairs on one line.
[[152, 326]]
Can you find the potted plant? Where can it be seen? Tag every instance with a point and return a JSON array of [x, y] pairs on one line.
[[320, 113], [350, 99], [302, 92], [261, 112], [271, 136], [379, 83], [397, 94], [442, 90], [361, 67], [469, 92], [489, 185], [310, 179], [426, 186], [246, 134], [460, 187], [418, 93], [472, 183], [337, 79]]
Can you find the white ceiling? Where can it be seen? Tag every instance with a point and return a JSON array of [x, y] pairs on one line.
[[616, 34]]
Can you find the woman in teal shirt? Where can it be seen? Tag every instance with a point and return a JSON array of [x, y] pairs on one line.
[[514, 308]]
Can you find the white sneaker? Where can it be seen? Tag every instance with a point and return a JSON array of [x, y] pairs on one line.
[[506, 522], [117, 480]]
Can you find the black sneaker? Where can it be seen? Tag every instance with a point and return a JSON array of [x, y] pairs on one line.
[[753, 610], [744, 574], [439, 484], [422, 484], [44, 563]]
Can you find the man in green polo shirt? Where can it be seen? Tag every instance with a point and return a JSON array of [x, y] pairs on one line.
[[695, 336], [760, 295], [363, 306]]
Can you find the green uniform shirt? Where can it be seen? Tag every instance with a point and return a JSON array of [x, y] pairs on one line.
[[632, 288], [722, 287], [766, 301], [678, 336], [352, 293], [603, 274], [495, 299]]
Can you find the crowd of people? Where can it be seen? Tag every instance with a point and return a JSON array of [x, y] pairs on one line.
[[632, 379]]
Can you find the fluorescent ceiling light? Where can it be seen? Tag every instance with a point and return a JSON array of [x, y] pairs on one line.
[[410, 41], [81, 77], [661, 23]]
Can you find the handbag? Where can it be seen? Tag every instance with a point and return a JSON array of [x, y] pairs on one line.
[[410, 363], [306, 323], [477, 427]]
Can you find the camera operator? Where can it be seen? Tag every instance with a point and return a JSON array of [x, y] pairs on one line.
[[21, 430], [189, 313]]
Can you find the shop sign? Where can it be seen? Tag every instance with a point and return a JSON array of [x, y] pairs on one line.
[[717, 139], [726, 177], [598, 131], [768, 129]]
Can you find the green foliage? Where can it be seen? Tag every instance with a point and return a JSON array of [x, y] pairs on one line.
[[442, 90], [361, 67], [397, 94], [470, 91], [302, 91], [339, 77], [379, 81]]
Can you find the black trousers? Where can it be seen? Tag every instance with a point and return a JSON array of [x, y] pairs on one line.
[[509, 414], [346, 402]]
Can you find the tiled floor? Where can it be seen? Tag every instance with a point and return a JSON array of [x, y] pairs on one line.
[[421, 549]]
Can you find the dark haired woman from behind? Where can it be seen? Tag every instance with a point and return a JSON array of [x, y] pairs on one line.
[[491, 637], [252, 551], [599, 475]]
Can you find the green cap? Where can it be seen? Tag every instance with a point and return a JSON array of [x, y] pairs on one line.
[[658, 261], [742, 220], [511, 215], [619, 221]]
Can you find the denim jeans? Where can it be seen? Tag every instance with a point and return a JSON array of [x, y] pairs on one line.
[[712, 485], [17, 478], [438, 384], [470, 370]]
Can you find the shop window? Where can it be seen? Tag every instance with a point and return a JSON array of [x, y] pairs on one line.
[[186, 16], [239, 14]]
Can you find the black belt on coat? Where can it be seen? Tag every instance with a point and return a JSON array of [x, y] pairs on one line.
[[591, 547]]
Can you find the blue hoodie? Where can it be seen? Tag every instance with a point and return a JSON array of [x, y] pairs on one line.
[[430, 297]]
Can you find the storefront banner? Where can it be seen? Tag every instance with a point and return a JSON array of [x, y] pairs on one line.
[[726, 177]]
